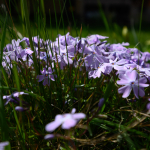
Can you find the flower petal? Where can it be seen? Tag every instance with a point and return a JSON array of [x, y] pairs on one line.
[[73, 111], [141, 92], [123, 76], [49, 136], [16, 94], [148, 106], [69, 124], [136, 90], [142, 80], [127, 91], [79, 116], [46, 82], [19, 108], [122, 82], [53, 125], [132, 75], [122, 89], [40, 77], [98, 72], [143, 85]]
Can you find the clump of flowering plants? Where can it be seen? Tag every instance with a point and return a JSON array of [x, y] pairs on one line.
[[75, 73], [72, 92]]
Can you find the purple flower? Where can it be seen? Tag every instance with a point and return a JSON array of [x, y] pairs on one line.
[[124, 68], [101, 69], [117, 47], [28, 50], [68, 121], [94, 57], [8, 48], [46, 76], [131, 80], [93, 39], [14, 97], [36, 39], [26, 40], [15, 43], [66, 40]]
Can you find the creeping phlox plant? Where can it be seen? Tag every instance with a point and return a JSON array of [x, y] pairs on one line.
[[128, 67], [99, 58]]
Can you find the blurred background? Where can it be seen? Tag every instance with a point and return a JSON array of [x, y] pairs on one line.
[[118, 19], [122, 12]]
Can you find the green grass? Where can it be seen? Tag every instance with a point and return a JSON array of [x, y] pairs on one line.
[[115, 36]]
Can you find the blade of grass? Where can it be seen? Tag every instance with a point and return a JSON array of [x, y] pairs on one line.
[[129, 141], [16, 77], [50, 25], [61, 18], [73, 18], [104, 18], [43, 19], [23, 18], [141, 19], [55, 17], [3, 124], [139, 36], [43, 11], [35, 95], [108, 92], [25, 8]]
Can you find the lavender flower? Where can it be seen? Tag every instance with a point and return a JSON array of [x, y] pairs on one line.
[[68, 121], [131, 80], [93, 39], [46, 76], [8, 48], [14, 97]]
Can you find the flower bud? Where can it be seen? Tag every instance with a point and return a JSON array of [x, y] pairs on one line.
[[101, 102]]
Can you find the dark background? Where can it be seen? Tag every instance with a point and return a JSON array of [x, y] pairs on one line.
[[88, 12]]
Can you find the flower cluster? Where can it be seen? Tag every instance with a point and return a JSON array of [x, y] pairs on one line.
[[93, 53], [99, 57]]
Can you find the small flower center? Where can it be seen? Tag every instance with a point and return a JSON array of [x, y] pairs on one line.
[[93, 52], [46, 75], [132, 82]]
